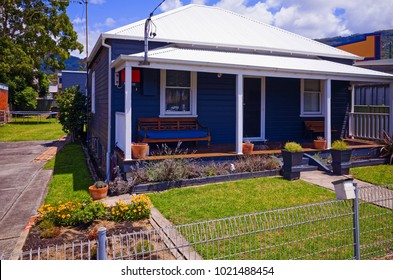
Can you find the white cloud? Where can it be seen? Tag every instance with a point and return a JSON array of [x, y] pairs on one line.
[[170, 5], [99, 2], [199, 2], [94, 33], [260, 11]]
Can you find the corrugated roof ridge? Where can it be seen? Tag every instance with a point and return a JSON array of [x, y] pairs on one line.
[[274, 27], [142, 21]]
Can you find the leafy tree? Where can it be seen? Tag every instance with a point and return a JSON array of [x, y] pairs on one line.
[[72, 111], [33, 33], [26, 99]]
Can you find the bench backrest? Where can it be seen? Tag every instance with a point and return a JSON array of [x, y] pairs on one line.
[[167, 124], [314, 124]]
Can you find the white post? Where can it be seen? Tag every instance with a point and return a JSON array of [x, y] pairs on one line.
[[263, 108], [239, 114], [328, 112], [128, 112], [391, 109], [351, 116]]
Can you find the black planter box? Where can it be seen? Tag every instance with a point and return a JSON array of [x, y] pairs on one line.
[[341, 161], [292, 162]]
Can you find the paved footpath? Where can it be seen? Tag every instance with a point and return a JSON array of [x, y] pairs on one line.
[[368, 192], [23, 185]]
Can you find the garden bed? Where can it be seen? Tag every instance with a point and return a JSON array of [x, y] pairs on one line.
[[162, 186]]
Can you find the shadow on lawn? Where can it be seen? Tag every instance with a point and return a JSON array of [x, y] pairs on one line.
[[71, 176]]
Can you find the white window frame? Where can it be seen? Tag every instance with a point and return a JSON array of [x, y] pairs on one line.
[[321, 95], [193, 97], [93, 92]]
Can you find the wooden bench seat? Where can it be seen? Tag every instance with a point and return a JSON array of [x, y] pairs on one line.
[[315, 127], [157, 130]]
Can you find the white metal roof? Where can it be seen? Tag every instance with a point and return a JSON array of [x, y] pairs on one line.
[[212, 26], [250, 64]]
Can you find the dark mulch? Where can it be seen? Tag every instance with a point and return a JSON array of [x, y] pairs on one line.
[[80, 233]]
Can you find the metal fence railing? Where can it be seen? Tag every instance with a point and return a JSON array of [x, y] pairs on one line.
[[324, 230]]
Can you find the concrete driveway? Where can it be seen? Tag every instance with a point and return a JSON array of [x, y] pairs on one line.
[[23, 184]]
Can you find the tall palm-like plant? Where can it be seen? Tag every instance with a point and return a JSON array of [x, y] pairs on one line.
[[387, 149]]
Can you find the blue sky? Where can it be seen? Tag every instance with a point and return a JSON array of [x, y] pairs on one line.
[[311, 18]]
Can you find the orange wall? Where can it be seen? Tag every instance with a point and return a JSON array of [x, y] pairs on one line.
[[364, 48]]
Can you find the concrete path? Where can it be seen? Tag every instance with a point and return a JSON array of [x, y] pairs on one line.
[[23, 185], [367, 192]]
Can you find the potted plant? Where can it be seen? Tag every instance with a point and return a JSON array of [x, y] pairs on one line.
[[139, 150], [292, 156], [320, 143], [247, 147], [99, 190], [341, 157]]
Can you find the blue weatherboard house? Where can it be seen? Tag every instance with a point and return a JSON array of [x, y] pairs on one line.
[[68, 79], [241, 78]]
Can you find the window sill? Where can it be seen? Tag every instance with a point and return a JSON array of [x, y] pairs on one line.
[[178, 116], [312, 116]]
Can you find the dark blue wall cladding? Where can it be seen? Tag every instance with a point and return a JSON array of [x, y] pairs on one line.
[[70, 79], [144, 106], [216, 104], [129, 47], [283, 121], [341, 105]]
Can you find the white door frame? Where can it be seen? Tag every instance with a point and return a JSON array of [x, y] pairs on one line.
[[262, 136]]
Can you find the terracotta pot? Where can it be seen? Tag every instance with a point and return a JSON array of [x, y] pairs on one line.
[[248, 148], [139, 150], [320, 144], [100, 193]]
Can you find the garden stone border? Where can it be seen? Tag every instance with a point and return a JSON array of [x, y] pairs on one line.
[[162, 186]]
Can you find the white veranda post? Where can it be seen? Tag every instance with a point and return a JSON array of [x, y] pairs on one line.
[[328, 112], [128, 112], [239, 113]]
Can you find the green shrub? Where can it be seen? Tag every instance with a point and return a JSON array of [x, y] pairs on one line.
[[339, 145], [99, 185], [90, 212], [50, 232], [293, 147], [45, 224], [71, 213], [387, 149], [72, 111], [144, 246], [137, 209]]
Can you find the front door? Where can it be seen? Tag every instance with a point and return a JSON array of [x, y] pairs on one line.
[[252, 108]]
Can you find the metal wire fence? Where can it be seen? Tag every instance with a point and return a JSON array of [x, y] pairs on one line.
[[315, 231]]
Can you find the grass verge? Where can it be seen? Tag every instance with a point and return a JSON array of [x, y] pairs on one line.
[[30, 130], [377, 175], [71, 177]]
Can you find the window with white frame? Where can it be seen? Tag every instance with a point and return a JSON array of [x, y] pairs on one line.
[[178, 93], [311, 98], [93, 92]]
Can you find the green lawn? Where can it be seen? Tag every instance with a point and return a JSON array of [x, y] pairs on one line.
[[185, 205], [71, 177], [316, 231], [377, 175], [29, 130]]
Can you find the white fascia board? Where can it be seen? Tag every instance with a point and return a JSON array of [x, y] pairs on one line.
[[126, 60]]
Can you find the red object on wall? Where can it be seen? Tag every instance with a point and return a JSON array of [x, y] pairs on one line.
[[136, 76]]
